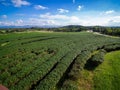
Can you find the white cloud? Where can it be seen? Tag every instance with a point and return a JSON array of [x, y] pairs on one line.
[[20, 21], [56, 16], [6, 23], [41, 22], [110, 12], [56, 19], [79, 7], [19, 3], [61, 10], [74, 19], [114, 21], [62, 19], [39, 7], [4, 16]]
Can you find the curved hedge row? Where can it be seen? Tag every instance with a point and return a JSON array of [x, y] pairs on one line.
[[42, 65]]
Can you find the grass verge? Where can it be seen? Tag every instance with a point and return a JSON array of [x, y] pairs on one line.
[[105, 77]]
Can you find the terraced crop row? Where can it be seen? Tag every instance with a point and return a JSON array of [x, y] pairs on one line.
[[41, 61]]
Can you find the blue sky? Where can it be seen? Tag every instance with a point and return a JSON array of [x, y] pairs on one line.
[[59, 12]]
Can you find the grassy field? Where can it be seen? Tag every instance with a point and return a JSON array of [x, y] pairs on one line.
[[48, 60], [104, 77], [107, 75]]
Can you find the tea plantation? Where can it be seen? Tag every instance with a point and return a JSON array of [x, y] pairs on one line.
[[50, 60]]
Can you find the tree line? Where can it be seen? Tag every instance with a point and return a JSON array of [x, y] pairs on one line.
[[115, 31]]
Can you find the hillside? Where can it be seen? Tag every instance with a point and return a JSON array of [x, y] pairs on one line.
[[48, 61], [114, 31]]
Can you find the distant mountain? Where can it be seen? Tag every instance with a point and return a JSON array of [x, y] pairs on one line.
[[72, 26], [29, 26], [57, 26]]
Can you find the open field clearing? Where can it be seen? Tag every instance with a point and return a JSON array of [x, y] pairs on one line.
[[109, 71], [104, 77], [54, 61]]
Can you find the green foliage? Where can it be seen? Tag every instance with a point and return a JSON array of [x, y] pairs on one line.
[[112, 47], [115, 31], [98, 58], [35, 60], [106, 76]]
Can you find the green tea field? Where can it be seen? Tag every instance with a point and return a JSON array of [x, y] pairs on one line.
[[56, 61]]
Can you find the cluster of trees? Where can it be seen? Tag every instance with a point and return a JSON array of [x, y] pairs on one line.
[[70, 28], [107, 30]]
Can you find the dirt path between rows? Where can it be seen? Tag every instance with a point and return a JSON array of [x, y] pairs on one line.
[[105, 35]]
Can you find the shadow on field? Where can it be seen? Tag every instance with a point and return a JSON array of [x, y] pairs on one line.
[[90, 65]]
